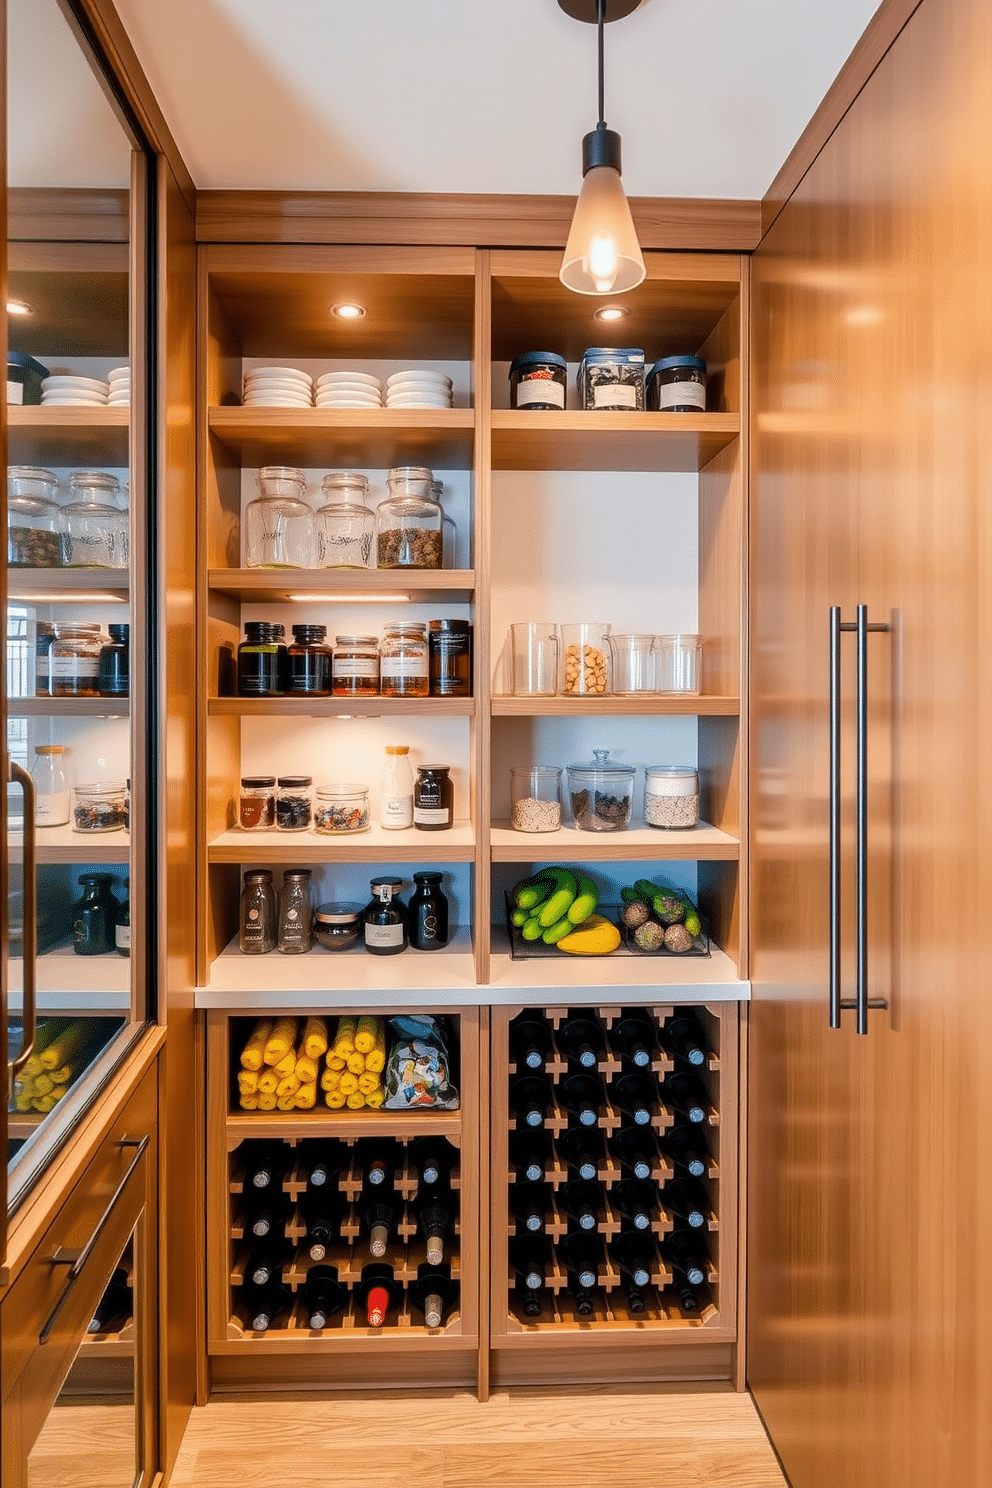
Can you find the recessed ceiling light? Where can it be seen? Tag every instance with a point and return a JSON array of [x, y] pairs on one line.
[[610, 312], [348, 311], [19, 307]]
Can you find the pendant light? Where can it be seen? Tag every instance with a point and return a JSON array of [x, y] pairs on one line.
[[602, 255]]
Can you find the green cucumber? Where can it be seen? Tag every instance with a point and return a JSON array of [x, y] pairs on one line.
[[630, 896], [531, 892], [558, 931], [646, 890], [693, 923], [553, 909], [520, 917], [584, 903], [531, 930]]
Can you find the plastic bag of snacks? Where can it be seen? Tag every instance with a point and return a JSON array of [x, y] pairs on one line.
[[419, 1068]]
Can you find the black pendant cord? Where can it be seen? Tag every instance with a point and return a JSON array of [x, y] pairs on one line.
[[600, 21]]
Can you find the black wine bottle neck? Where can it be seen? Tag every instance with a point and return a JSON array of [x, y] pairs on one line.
[[634, 1039], [684, 1038]]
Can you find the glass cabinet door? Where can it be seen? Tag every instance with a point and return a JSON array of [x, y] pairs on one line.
[[79, 587]]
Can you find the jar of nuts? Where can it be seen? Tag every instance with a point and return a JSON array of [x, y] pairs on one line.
[[585, 660]]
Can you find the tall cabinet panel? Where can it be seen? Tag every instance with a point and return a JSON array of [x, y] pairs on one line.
[[868, 1240]]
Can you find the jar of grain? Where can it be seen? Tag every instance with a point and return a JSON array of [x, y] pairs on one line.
[[671, 796], [535, 798], [409, 522]]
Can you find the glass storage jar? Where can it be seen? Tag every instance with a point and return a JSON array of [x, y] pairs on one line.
[[74, 661], [450, 646], [341, 808], [671, 796], [611, 378], [309, 661], [344, 525], [600, 793], [263, 662], [409, 522], [535, 798], [33, 536], [95, 523], [279, 522], [94, 916], [355, 668], [396, 789], [99, 807], [51, 807], [585, 660], [337, 926], [634, 664], [536, 653], [257, 802], [403, 663], [295, 932], [677, 384], [679, 659], [537, 381], [294, 802], [433, 798], [259, 915], [385, 918]]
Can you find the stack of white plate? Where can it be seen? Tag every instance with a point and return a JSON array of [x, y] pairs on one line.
[[348, 390], [63, 391], [278, 387], [120, 386], [417, 389]]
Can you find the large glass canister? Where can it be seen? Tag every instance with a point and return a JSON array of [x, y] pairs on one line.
[[403, 660], [409, 522], [600, 793], [634, 664], [585, 660], [671, 796], [95, 523], [344, 525], [535, 798], [279, 523], [33, 538]]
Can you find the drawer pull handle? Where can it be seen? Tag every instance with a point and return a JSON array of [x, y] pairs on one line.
[[29, 1013]]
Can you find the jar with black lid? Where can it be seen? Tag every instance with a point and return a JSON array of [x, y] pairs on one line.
[[262, 660], [257, 805], [94, 916], [428, 913], [294, 802], [309, 661], [115, 666], [677, 384], [537, 381], [433, 798], [450, 644], [337, 926], [385, 918]]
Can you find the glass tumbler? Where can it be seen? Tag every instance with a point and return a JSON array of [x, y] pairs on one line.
[[679, 663], [535, 658], [634, 664], [535, 798], [586, 663]]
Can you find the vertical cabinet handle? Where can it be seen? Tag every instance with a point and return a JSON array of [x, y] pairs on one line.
[[835, 629], [29, 1015]]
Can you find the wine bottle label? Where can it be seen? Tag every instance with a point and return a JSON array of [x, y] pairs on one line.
[[384, 935]]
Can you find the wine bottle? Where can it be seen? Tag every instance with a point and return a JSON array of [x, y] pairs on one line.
[[323, 1228], [316, 1159], [582, 1296], [637, 1201], [265, 1164], [378, 1291], [379, 1161], [583, 1150], [433, 1211], [115, 1307], [690, 1298], [432, 1159], [581, 1038], [583, 1203], [686, 1145], [264, 1215], [636, 1300], [584, 1097], [636, 1254], [688, 1200], [583, 1254], [323, 1296], [264, 1261], [433, 1292], [635, 1038], [682, 1036], [686, 1251], [531, 1204], [378, 1211], [532, 1099], [530, 1043], [637, 1095], [687, 1094], [530, 1257], [636, 1148], [266, 1306], [530, 1155]]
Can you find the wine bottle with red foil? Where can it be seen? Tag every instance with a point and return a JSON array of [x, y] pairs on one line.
[[584, 1150], [530, 1155], [686, 1252], [687, 1095], [323, 1296], [434, 1293], [434, 1220], [685, 1145], [378, 1293], [637, 1201], [379, 1211], [583, 1202], [581, 1039], [688, 1200], [635, 1038], [266, 1307], [432, 1159], [584, 1098], [682, 1036], [532, 1099], [531, 1043], [530, 1204], [637, 1150], [637, 1096]]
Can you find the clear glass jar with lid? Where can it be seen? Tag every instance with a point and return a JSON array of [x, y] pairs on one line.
[[341, 808], [671, 796], [355, 668], [279, 522], [409, 522], [74, 661], [95, 524], [33, 536], [403, 660], [100, 807], [344, 525], [600, 793]]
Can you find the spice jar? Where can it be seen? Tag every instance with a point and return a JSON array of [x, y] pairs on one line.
[[74, 661], [257, 804], [337, 927], [585, 660], [671, 796], [611, 378], [33, 537], [385, 918], [293, 802], [94, 525], [535, 798], [537, 381], [295, 935], [263, 663], [450, 644], [309, 661], [355, 668], [433, 798], [403, 665], [44, 639], [114, 675], [409, 522], [94, 916], [428, 912], [677, 384], [341, 808], [258, 917], [600, 793], [100, 808], [344, 525], [279, 523]]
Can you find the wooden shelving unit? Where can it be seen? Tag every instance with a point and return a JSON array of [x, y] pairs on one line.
[[59, 436]]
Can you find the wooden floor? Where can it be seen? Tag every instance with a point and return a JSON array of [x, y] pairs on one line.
[[588, 1438]]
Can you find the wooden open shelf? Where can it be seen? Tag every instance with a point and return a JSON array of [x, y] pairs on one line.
[[650, 705], [456, 845], [584, 440], [376, 438], [332, 707], [63, 845], [69, 585], [363, 586], [42, 435], [68, 707], [637, 844]]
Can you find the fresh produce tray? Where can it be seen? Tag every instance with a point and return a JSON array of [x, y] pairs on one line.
[[536, 950]]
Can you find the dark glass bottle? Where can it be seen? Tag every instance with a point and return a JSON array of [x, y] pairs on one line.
[[323, 1296], [530, 1205], [433, 1293], [581, 1038], [688, 1200], [45, 638], [379, 1210], [583, 1203], [583, 1252], [686, 1146], [434, 1219], [428, 913], [259, 918], [266, 1306], [265, 1164], [636, 1254], [584, 1097], [295, 912], [433, 799], [686, 1094], [323, 1219], [265, 1260], [309, 661], [530, 1155], [122, 930], [530, 1257], [450, 643], [378, 1161], [637, 1095], [114, 674], [94, 916], [686, 1251], [385, 918], [432, 1159], [635, 1147], [690, 1298], [682, 1036], [262, 660], [378, 1292], [530, 1043], [636, 1200], [115, 1307], [635, 1038], [636, 1300], [265, 1218], [532, 1099], [321, 1161], [582, 1296], [583, 1150]]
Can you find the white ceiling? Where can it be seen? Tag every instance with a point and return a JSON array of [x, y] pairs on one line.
[[487, 95]]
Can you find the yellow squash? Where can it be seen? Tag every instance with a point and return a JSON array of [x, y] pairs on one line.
[[594, 937]]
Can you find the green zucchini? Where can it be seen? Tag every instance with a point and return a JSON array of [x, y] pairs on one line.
[[585, 901], [520, 917], [553, 909], [531, 892], [531, 930], [558, 931]]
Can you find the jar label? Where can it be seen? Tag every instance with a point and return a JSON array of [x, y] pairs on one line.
[[123, 937], [540, 390], [404, 666], [51, 810], [614, 395], [431, 816], [74, 667], [397, 811], [384, 935], [351, 666], [672, 393]]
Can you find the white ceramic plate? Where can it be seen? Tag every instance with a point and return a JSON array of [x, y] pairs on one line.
[[63, 383], [365, 378], [279, 386], [119, 400], [70, 402], [346, 403], [274, 400], [118, 374], [419, 390], [290, 372], [418, 376], [365, 388], [420, 401]]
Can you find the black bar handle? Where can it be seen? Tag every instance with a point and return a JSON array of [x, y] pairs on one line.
[[835, 998], [861, 811], [29, 934]]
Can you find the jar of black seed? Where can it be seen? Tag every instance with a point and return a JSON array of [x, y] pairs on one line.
[[294, 802]]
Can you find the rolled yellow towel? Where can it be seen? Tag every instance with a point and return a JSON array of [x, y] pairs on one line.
[[267, 1082], [254, 1049], [266, 1100], [306, 1070], [356, 1101], [348, 1083], [368, 1082], [367, 1033], [356, 1063], [247, 1082], [315, 1037], [344, 1038], [286, 1087], [334, 1099], [336, 1062], [248, 1102], [330, 1079], [280, 1040], [286, 1102], [306, 1097], [376, 1099], [286, 1065]]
